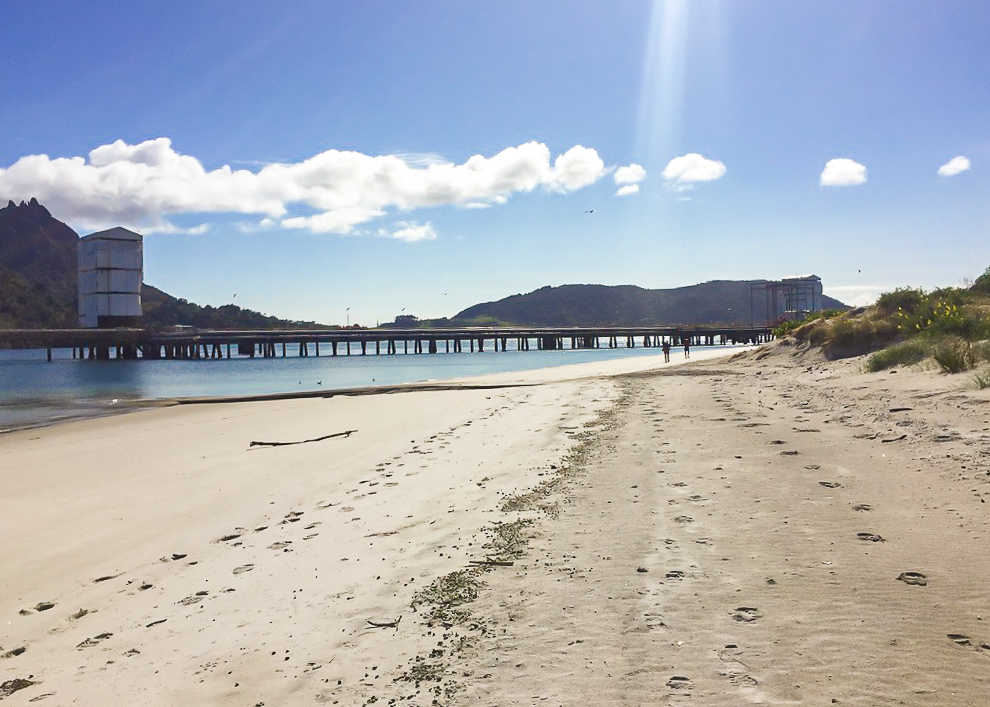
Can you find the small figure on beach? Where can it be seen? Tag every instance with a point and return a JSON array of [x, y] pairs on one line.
[[687, 348], [666, 351]]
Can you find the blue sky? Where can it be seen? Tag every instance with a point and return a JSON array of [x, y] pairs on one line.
[[310, 157]]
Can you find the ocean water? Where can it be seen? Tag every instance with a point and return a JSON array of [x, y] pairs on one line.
[[34, 391]]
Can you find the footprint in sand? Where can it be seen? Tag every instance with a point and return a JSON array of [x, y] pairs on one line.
[[89, 642], [243, 568], [683, 519], [735, 670], [277, 546], [192, 599], [964, 641], [654, 621], [679, 682], [746, 614], [871, 537], [830, 484], [916, 578], [862, 507]]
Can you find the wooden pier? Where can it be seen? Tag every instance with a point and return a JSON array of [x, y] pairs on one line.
[[129, 344]]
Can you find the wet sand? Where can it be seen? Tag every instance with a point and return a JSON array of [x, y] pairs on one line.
[[770, 530]]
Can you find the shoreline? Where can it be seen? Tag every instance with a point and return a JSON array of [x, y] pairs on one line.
[[523, 377], [599, 538]]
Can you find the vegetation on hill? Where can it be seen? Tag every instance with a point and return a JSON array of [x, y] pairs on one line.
[[36, 252], [949, 326], [161, 310]]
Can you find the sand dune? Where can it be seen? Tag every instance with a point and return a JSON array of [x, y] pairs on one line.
[[767, 530]]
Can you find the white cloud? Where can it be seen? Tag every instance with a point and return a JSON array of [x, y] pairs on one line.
[[858, 295], [682, 172], [140, 186], [633, 174], [412, 232], [954, 166], [628, 190], [578, 167], [842, 172]]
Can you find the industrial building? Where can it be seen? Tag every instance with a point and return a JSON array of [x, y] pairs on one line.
[[111, 270], [788, 299]]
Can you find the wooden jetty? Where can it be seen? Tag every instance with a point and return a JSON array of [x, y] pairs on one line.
[[124, 344]]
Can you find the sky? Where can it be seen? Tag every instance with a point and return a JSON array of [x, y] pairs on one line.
[[349, 162]]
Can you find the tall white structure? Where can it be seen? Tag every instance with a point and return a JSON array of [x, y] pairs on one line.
[[111, 269]]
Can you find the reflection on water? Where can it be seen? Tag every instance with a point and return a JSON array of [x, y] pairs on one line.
[[34, 391]]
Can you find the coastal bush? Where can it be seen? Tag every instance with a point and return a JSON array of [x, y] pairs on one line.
[[849, 336], [905, 353], [903, 299], [954, 355], [785, 328], [982, 284], [982, 379]]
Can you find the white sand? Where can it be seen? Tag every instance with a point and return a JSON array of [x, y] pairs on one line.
[[686, 477]]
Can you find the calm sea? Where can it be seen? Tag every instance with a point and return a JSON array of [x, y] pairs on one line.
[[34, 391]]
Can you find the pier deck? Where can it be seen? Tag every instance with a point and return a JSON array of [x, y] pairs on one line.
[[103, 344]]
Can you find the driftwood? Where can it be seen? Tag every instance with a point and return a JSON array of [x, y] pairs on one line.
[[386, 624], [492, 563], [348, 433]]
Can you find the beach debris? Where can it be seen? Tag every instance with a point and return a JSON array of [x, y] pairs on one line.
[[385, 624], [348, 433], [488, 562], [14, 653], [895, 439]]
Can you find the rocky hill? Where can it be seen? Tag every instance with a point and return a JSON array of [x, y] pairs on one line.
[[39, 276]]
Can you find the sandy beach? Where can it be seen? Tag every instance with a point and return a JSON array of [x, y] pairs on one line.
[[766, 528]]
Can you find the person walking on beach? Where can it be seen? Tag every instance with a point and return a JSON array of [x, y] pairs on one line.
[[666, 351], [687, 348]]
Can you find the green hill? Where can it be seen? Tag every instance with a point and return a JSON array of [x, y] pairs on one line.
[[717, 302]]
